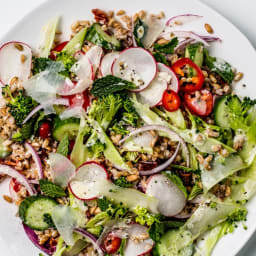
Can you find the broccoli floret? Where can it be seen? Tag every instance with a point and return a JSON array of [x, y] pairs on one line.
[[19, 106], [144, 217], [96, 148], [122, 182], [40, 64], [104, 109], [67, 60], [131, 156], [103, 203], [235, 218]]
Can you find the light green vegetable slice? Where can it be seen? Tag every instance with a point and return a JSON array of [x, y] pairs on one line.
[[48, 36], [131, 198], [220, 169], [76, 43]]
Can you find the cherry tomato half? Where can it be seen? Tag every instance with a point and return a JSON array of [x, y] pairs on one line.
[[196, 82], [111, 243], [199, 103], [45, 130], [57, 49], [171, 100]]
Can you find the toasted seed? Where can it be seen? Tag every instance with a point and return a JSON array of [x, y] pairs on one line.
[[120, 12], [238, 76], [161, 14], [19, 47], [208, 28], [132, 177], [142, 14], [7, 199], [213, 78], [205, 73], [177, 22], [162, 41], [110, 14], [14, 80]]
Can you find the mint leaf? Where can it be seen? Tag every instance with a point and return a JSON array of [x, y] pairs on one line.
[[221, 67], [160, 58], [110, 84], [167, 48], [63, 146], [50, 189], [48, 219]]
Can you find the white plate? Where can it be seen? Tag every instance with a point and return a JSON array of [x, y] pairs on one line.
[[235, 48]]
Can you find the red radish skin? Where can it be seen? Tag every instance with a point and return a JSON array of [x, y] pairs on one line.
[[77, 55], [3, 81], [70, 183], [107, 57], [152, 74]]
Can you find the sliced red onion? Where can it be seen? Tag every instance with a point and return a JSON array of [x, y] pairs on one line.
[[190, 35], [162, 166], [36, 182], [183, 215], [7, 170], [60, 101], [182, 44], [169, 132], [183, 18], [210, 39], [198, 199], [91, 238], [36, 159], [34, 239]]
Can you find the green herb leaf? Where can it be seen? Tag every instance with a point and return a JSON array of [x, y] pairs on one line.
[[48, 219], [110, 84], [167, 48], [140, 31], [63, 146], [50, 189], [160, 58], [40, 64], [103, 203], [122, 182], [221, 67], [40, 118], [122, 247], [176, 180], [25, 131], [195, 191]]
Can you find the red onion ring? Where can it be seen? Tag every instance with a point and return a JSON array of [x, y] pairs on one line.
[[162, 129], [59, 101], [91, 238], [7, 170], [184, 17], [36, 159]]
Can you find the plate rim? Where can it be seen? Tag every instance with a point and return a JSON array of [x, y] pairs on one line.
[[12, 29]]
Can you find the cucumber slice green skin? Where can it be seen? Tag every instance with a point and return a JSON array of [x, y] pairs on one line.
[[68, 126], [32, 211], [220, 112], [97, 36]]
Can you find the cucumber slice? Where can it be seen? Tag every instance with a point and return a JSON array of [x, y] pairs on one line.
[[221, 112], [97, 36], [33, 209], [68, 126], [76, 43]]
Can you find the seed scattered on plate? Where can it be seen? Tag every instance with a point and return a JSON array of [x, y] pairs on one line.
[[208, 28], [238, 76], [19, 47]]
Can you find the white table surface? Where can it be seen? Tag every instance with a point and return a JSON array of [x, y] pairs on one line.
[[240, 12]]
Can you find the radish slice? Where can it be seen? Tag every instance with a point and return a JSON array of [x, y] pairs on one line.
[[171, 199], [171, 78], [136, 65], [11, 61], [82, 185], [107, 62], [182, 19], [94, 54], [78, 55], [7, 170], [139, 242], [62, 169], [36, 159], [83, 68], [153, 94]]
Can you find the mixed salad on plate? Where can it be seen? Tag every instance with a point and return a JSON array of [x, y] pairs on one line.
[[127, 139]]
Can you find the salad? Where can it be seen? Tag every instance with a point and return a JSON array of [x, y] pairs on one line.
[[127, 139]]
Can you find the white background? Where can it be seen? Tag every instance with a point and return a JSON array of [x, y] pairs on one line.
[[241, 13]]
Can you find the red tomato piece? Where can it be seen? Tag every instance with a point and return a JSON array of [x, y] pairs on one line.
[[171, 100], [45, 130], [199, 103], [111, 243], [57, 49], [196, 82], [15, 185]]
